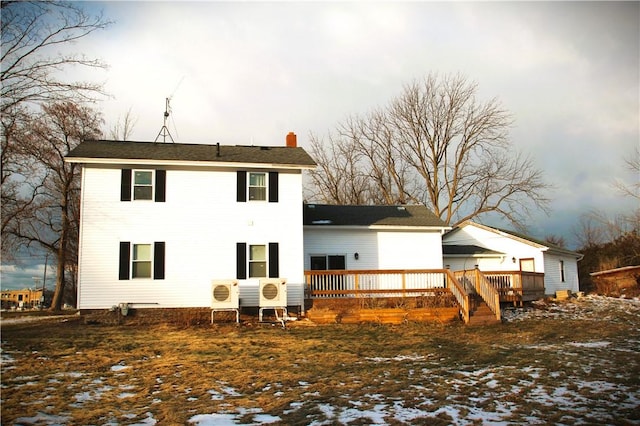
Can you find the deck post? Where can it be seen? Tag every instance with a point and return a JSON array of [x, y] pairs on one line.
[[356, 283]]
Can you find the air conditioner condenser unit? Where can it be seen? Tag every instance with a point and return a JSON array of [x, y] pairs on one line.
[[225, 294], [273, 293]]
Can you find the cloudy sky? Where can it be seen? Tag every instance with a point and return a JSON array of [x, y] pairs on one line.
[[248, 73]]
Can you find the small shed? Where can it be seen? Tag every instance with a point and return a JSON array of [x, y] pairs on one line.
[[618, 280]]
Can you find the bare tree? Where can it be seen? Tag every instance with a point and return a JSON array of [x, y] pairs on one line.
[[633, 165], [339, 178], [556, 240], [36, 60], [33, 36], [437, 145], [123, 128], [49, 216]]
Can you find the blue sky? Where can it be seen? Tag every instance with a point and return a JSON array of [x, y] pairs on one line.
[[242, 73]]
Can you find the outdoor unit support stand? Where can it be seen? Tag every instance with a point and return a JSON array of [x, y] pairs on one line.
[[237, 311], [275, 309]]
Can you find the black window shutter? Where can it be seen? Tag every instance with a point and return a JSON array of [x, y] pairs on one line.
[[125, 257], [242, 187], [158, 261], [241, 261], [125, 185], [161, 179], [273, 187], [274, 261]]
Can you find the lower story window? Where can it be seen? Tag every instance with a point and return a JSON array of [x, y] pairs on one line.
[[328, 262], [257, 261], [141, 262]]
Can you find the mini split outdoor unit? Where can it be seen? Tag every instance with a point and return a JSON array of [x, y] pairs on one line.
[[273, 293], [225, 294]]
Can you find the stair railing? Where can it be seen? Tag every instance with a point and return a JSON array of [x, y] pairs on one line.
[[462, 297], [488, 293]]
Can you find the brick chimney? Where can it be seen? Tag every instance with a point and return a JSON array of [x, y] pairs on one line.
[[292, 140]]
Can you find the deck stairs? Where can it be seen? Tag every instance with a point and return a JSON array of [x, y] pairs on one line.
[[480, 313]]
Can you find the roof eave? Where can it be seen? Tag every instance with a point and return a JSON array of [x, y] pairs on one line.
[[183, 163], [379, 227]]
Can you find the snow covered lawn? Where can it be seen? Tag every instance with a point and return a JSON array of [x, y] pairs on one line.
[[574, 362]]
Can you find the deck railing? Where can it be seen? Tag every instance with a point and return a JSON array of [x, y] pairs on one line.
[[385, 283], [517, 286]]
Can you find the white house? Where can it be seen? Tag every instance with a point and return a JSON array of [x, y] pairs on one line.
[[161, 221], [372, 237], [472, 245]]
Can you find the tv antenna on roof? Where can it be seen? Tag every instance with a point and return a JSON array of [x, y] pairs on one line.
[[164, 131]]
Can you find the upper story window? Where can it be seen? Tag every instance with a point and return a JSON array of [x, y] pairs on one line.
[[257, 186], [143, 185]]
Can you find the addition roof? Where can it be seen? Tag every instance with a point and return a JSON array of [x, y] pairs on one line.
[[103, 151], [398, 216], [543, 245], [468, 250]]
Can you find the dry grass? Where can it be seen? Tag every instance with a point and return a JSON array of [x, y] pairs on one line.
[[571, 369]]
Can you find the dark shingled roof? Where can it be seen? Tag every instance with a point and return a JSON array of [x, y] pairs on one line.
[[468, 250], [322, 214], [116, 150]]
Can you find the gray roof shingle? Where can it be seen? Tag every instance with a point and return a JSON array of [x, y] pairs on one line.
[[323, 214], [468, 250], [116, 150]]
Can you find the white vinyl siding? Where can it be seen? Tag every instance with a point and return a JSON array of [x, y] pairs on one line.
[[377, 249], [553, 277], [200, 222]]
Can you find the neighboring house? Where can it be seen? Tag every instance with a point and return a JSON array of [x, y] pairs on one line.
[[161, 221], [472, 245], [372, 237]]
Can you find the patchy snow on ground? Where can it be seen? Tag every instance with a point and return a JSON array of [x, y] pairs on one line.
[[461, 395]]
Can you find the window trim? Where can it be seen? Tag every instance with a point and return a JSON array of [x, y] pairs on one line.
[[150, 185], [135, 261], [265, 187], [264, 261]]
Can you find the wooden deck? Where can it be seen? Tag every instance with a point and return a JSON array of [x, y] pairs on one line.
[[492, 287]]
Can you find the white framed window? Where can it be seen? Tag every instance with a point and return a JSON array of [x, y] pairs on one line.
[[562, 277], [141, 261], [143, 184], [145, 260], [257, 186], [257, 261]]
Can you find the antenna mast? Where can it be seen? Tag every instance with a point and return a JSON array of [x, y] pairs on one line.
[[164, 131]]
